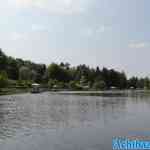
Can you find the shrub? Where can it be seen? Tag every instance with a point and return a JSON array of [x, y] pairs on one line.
[[51, 83], [74, 85], [3, 79], [99, 85]]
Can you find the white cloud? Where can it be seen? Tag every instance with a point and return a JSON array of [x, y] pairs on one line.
[[90, 31], [37, 27], [137, 45], [53, 6], [103, 28], [16, 36]]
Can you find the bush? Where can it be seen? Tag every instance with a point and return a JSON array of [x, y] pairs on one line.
[[12, 83], [55, 72], [22, 83], [61, 85], [74, 85], [24, 73], [51, 83], [28, 83], [99, 85], [3, 79]]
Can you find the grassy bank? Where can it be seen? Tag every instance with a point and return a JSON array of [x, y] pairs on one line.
[[7, 91]]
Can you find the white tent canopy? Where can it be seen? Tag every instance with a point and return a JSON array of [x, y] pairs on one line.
[[35, 84]]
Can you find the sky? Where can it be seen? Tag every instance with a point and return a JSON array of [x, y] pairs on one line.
[[110, 33]]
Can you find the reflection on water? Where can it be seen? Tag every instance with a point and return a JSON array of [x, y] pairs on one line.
[[24, 112], [100, 117]]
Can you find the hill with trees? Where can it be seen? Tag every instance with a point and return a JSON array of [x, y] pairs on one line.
[[16, 72]]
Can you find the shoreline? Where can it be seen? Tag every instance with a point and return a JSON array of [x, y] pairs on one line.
[[12, 91], [102, 93]]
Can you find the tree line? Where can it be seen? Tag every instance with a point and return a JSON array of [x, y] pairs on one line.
[[19, 72]]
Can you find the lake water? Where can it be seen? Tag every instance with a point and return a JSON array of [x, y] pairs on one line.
[[48, 121]]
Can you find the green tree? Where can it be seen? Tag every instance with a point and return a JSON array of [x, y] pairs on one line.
[[12, 69], [99, 85], [133, 82], [147, 83], [141, 83], [3, 61], [24, 73], [3, 79], [74, 85], [56, 72], [122, 84], [51, 83], [33, 75], [83, 81]]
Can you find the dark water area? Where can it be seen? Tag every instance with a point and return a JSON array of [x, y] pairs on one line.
[[48, 121]]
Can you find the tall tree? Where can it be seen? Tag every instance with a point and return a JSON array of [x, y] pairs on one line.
[[24, 73], [3, 60], [58, 73], [3, 79]]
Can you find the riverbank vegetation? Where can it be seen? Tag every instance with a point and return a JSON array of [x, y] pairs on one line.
[[20, 74]]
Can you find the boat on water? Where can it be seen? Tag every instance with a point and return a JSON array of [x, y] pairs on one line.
[[35, 88]]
